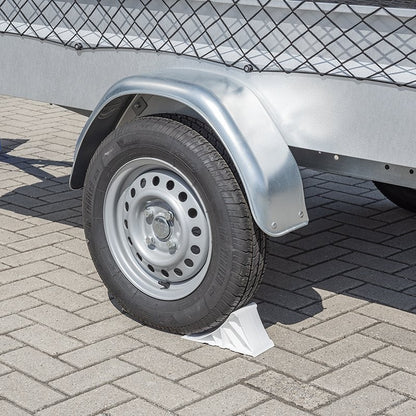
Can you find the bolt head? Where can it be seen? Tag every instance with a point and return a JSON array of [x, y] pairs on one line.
[[150, 241], [168, 215], [171, 245], [148, 213]]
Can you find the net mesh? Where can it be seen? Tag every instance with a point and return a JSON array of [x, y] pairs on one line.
[[342, 38]]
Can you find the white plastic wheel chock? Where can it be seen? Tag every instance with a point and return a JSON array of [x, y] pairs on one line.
[[242, 332]]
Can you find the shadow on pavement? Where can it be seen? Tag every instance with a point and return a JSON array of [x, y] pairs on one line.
[[284, 297], [50, 198]]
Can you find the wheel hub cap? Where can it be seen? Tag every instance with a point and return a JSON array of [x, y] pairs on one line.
[[157, 229], [161, 228]]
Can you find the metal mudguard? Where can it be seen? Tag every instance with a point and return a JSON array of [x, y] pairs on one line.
[[267, 169]]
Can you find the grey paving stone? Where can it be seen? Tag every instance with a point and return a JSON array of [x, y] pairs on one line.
[[275, 407], [282, 297], [404, 409], [408, 256], [73, 262], [339, 327], [400, 227], [352, 376], [361, 233], [43, 229], [208, 356], [291, 364], [324, 270], [46, 339], [368, 247], [12, 224], [161, 363], [403, 242], [54, 317], [361, 221], [8, 344], [27, 393], [62, 298], [75, 245], [4, 369], [137, 407], [281, 250], [339, 206], [172, 343], [221, 376], [100, 293], [92, 377], [8, 237], [100, 351], [342, 187], [292, 319], [41, 241], [320, 255], [25, 271], [368, 401], [282, 280], [351, 199], [104, 329], [41, 253], [90, 402], [396, 357], [21, 287], [35, 363], [340, 179], [393, 335], [12, 322], [409, 273], [17, 304], [292, 341], [9, 409], [317, 226], [98, 312], [385, 296], [379, 278], [316, 240], [228, 402], [69, 280], [283, 265], [158, 390], [411, 291], [292, 391], [391, 315], [401, 382], [373, 262], [329, 287], [334, 306]]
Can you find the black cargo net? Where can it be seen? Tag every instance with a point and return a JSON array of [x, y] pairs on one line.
[[370, 41]]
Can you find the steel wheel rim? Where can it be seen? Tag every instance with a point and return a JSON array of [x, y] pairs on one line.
[[157, 228]]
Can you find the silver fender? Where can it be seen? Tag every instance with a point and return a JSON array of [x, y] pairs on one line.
[[268, 171]]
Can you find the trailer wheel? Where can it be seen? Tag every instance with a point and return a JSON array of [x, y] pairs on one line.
[[401, 196], [168, 227]]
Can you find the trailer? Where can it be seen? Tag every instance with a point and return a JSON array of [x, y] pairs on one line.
[[200, 114]]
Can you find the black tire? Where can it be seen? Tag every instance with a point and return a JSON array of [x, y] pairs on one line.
[[401, 196], [234, 258]]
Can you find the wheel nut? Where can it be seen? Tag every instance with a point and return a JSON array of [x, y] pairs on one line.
[[171, 246], [148, 213], [150, 241], [168, 215]]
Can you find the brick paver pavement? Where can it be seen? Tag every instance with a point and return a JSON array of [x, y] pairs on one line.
[[338, 300]]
